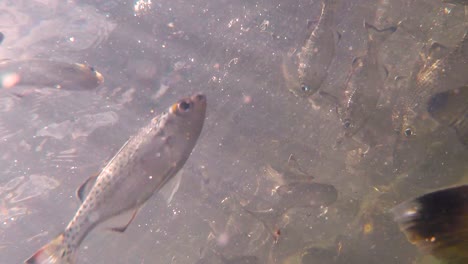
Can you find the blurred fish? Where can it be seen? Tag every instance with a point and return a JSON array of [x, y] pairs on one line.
[[436, 70], [421, 141], [290, 172], [450, 108], [2, 37], [295, 195], [437, 223], [142, 167], [306, 76], [365, 82], [53, 74]]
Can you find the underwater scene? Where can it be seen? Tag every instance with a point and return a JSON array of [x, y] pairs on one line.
[[234, 132]]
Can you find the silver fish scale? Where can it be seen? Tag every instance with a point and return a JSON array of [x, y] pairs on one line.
[[121, 167]]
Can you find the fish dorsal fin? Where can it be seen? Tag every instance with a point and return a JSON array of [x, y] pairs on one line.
[[171, 187], [84, 189]]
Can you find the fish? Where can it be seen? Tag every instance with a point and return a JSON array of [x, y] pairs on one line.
[[291, 171], [437, 223], [306, 70], [144, 165], [294, 195], [450, 108], [436, 71], [2, 37], [48, 73], [363, 84]]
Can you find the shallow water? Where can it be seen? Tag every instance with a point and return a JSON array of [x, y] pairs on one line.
[[232, 51]]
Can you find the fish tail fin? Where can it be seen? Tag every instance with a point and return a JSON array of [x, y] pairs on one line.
[[378, 36], [55, 252], [437, 223]]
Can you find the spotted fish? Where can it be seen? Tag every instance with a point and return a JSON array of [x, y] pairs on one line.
[[139, 169]]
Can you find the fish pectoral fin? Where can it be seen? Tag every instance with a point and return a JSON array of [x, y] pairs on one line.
[[121, 222], [86, 187], [171, 187]]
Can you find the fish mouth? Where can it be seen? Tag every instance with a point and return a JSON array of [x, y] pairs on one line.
[[200, 98]]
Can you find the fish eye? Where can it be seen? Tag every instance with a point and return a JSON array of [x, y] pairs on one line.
[[347, 123], [305, 88], [184, 106], [408, 132]]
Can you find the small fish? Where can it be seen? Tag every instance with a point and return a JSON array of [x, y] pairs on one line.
[[295, 195], [140, 168], [437, 223], [2, 37], [365, 82], [439, 69], [450, 108], [53, 74], [315, 56]]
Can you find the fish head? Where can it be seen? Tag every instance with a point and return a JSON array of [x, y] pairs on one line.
[[301, 79], [353, 120], [350, 127], [189, 114], [309, 81], [184, 122], [416, 125]]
